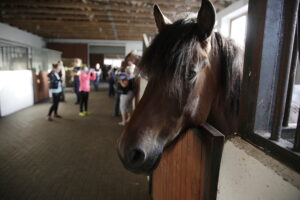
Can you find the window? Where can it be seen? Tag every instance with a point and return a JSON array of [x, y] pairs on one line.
[[238, 29], [14, 58], [113, 62], [271, 53]]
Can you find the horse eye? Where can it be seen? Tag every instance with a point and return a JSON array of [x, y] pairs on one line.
[[191, 75]]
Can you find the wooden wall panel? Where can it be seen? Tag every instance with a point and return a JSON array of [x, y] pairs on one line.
[[96, 58], [71, 50], [42, 86], [189, 168]]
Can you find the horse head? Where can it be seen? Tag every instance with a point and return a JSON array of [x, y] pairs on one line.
[[182, 85]]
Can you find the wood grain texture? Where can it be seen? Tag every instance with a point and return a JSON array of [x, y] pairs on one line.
[[42, 89], [71, 50], [189, 169], [110, 20]]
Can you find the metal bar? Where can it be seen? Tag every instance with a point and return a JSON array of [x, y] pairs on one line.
[[252, 65], [291, 82], [297, 135], [289, 23], [278, 150]]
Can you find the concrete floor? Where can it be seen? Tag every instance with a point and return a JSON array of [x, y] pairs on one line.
[[69, 158]]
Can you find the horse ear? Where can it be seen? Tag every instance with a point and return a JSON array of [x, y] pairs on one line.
[[160, 19], [206, 19]]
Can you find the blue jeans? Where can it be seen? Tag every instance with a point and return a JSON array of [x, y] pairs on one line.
[[96, 83]]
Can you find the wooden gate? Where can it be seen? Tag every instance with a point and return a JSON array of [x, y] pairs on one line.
[[189, 169]]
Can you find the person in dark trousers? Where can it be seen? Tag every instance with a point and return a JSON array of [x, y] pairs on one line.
[[85, 77], [62, 75], [76, 73], [98, 72], [56, 89], [111, 82]]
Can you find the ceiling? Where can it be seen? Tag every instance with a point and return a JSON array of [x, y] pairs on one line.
[[93, 19]]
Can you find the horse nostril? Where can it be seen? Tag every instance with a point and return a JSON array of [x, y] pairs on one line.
[[136, 157]]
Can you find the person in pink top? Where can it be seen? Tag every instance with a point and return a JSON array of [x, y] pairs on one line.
[[85, 77]]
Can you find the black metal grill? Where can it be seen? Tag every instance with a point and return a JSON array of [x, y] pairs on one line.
[[271, 60]]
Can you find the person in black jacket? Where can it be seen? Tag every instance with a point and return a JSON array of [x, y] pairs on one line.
[[76, 82], [56, 89]]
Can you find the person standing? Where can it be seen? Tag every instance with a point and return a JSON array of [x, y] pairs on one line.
[[62, 75], [76, 82], [56, 89], [126, 97], [111, 81], [85, 77], [118, 75], [98, 72]]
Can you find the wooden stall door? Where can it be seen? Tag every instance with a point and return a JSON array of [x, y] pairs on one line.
[[42, 86], [189, 169]]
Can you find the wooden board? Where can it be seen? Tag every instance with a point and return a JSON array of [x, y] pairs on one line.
[[42, 86], [94, 19], [189, 169]]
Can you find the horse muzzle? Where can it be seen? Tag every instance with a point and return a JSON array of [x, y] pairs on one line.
[[138, 158]]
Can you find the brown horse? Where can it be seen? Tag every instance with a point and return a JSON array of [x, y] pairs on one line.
[[194, 76]]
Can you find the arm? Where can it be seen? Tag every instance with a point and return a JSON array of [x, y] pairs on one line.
[[123, 83], [93, 76]]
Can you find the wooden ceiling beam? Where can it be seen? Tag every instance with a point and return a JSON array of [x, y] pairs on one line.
[[82, 28], [22, 10], [67, 13], [95, 19], [79, 19], [75, 24], [94, 6], [152, 2]]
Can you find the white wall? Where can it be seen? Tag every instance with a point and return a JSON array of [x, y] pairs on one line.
[[134, 46], [16, 91], [16, 35], [247, 173]]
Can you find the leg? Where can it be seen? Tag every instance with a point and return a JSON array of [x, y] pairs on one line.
[[123, 108], [96, 83], [77, 85], [117, 104], [111, 89], [86, 97], [129, 102], [81, 101], [57, 103], [52, 106]]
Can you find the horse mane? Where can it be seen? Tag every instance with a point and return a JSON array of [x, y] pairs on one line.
[[172, 52], [231, 57]]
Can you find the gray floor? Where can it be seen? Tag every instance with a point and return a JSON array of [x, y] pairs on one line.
[[70, 158]]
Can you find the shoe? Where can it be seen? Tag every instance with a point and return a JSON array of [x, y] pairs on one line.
[[76, 103], [57, 116], [81, 114], [87, 113], [49, 119], [122, 123]]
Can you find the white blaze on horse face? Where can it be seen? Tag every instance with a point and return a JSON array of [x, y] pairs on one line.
[[193, 107], [149, 141]]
